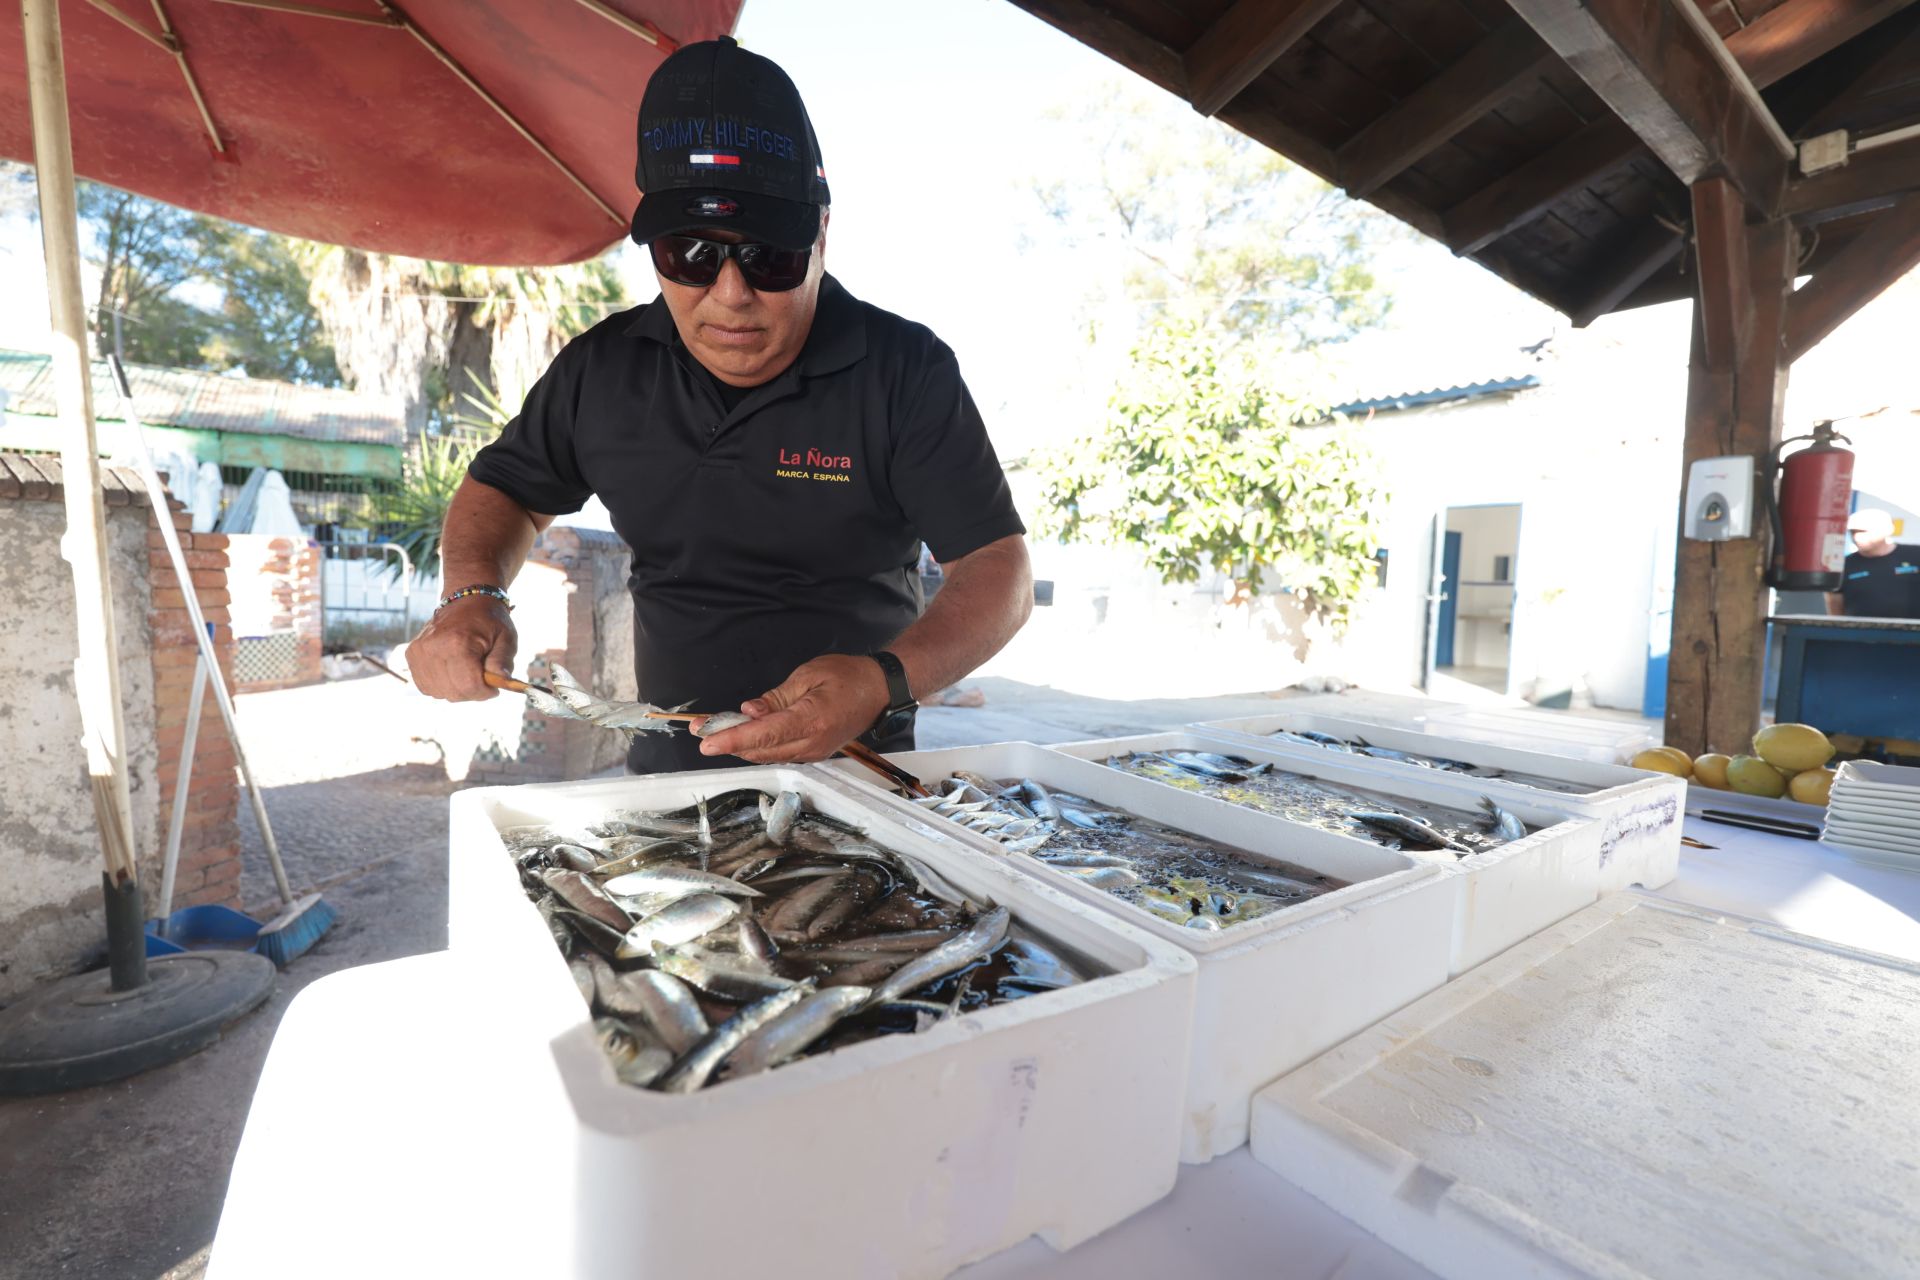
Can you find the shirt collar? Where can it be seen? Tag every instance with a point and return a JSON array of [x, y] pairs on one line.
[[838, 337]]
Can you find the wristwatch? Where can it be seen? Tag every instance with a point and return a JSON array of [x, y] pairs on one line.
[[898, 717]]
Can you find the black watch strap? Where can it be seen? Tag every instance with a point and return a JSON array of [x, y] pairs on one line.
[[898, 694]]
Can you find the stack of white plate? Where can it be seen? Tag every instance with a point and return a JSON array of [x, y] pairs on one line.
[[1875, 808]]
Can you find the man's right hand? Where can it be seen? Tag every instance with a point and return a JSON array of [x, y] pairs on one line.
[[472, 634]]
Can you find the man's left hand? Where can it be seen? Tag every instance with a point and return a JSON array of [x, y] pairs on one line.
[[822, 706]]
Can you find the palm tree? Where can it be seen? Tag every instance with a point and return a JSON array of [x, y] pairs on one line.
[[431, 332]]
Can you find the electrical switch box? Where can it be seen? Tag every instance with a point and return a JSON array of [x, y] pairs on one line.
[[1719, 499]]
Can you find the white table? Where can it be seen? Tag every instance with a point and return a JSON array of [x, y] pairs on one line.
[[385, 1074]]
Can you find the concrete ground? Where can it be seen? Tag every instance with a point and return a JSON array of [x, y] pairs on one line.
[[125, 1181]]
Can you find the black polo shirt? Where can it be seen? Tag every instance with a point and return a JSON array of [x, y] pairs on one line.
[[773, 532], [1885, 586]]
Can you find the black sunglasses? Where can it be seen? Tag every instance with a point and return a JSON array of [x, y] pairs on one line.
[[694, 262]]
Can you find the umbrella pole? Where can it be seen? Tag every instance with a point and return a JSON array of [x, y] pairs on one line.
[[90, 1028], [96, 670]]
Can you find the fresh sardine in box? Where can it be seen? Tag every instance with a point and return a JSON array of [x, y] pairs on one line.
[[1641, 811], [1055, 1115], [1502, 895], [1273, 991]]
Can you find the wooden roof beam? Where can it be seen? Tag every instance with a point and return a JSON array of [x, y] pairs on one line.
[[1900, 50], [1665, 73], [1519, 197], [1243, 42], [1496, 68], [1782, 40], [1857, 275], [1651, 248], [1868, 180]]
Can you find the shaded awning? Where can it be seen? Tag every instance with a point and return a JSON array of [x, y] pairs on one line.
[[479, 131]]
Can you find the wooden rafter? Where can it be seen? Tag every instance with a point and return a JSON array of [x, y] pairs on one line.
[[1669, 78], [1651, 247], [1519, 197], [1500, 65], [1869, 179], [1784, 39], [1100, 30], [1857, 275], [1242, 43], [1900, 50]]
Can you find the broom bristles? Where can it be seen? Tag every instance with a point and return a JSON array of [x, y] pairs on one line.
[[293, 932]]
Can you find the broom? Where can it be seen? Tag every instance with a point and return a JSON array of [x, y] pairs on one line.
[[303, 921]]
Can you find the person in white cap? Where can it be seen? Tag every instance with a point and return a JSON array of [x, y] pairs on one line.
[[1882, 577]]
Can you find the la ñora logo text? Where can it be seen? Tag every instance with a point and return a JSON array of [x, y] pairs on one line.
[[815, 458]]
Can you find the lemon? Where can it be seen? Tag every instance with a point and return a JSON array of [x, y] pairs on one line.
[[1710, 770], [1665, 760], [1810, 786], [1792, 747], [1750, 775]]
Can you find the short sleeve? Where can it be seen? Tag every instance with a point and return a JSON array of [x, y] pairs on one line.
[[944, 473], [533, 461]]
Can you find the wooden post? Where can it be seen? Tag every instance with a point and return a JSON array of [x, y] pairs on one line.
[[1736, 386], [96, 671]]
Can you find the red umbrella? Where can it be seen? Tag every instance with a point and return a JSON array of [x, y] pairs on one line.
[[482, 131], [492, 131]]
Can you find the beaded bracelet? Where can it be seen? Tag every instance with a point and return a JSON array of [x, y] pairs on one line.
[[498, 593]]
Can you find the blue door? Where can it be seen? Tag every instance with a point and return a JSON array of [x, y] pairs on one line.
[[1449, 605]]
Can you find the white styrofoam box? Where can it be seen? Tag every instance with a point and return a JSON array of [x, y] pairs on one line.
[[1549, 732], [1645, 1089], [1642, 809], [1058, 1114], [1501, 895], [1273, 991]]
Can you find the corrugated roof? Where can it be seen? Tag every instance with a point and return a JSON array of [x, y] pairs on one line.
[[1437, 395], [215, 402]]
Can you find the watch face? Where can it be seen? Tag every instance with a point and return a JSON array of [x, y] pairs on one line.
[[894, 722]]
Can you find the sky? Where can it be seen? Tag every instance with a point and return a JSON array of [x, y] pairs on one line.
[[933, 122]]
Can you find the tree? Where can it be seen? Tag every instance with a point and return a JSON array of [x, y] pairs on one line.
[[435, 332], [17, 194], [1203, 463], [145, 251], [1205, 222], [265, 324]]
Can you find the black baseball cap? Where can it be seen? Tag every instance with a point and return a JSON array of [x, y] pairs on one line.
[[725, 142]]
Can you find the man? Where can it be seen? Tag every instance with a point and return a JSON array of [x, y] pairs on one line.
[[1882, 577], [773, 450]]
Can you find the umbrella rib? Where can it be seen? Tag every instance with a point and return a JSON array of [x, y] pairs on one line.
[[193, 85], [645, 30], [467, 79], [131, 23], [315, 11]]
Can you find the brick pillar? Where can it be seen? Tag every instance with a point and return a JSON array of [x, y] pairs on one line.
[[209, 869]]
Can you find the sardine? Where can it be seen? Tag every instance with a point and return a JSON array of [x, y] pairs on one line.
[[721, 977], [1112, 879], [859, 893], [781, 816], [720, 722], [683, 921], [1078, 858], [1410, 830], [679, 882], [789, 1034], [697, 1064], [982, 936], [755, 944], [573, 857], [796, 910], [1039, 800], [660, 1000], [635, 1061], [648, 851], [586, 897], [1504, 824]]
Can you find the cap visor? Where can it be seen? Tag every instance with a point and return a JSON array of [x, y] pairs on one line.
[[784, 224]]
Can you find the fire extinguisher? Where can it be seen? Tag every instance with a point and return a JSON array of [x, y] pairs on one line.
[[1810, 512]]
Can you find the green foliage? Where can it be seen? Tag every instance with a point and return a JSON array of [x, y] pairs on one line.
[[1203, 222], [266, 324], [1202, 463], [416, 511]]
